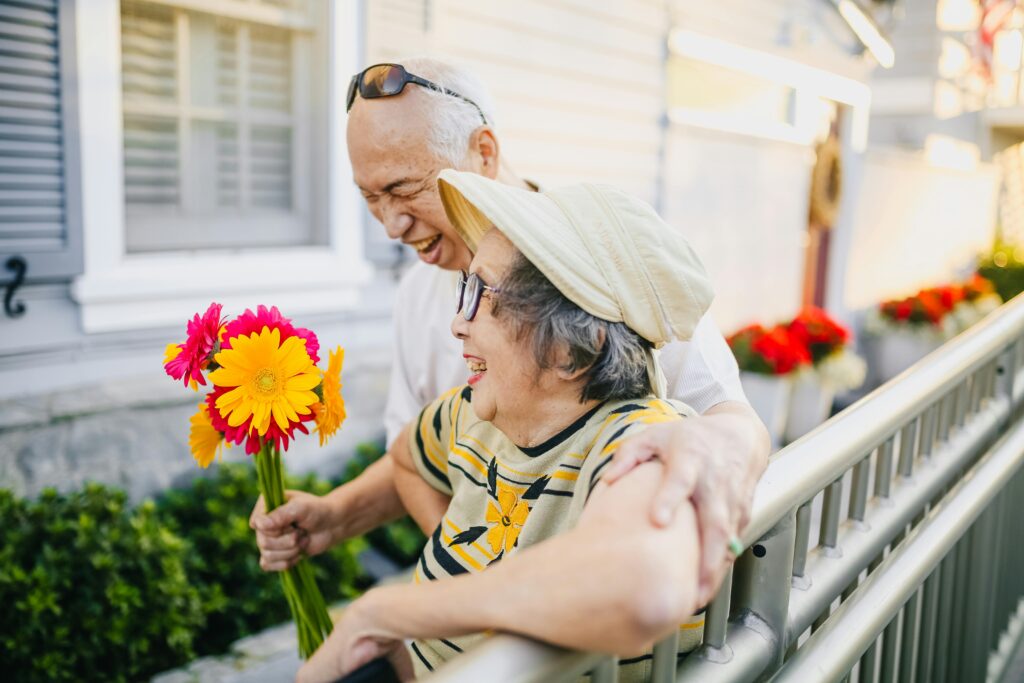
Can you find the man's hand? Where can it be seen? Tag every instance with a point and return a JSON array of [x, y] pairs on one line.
[[304, 525], [715, 461], [357, 638]]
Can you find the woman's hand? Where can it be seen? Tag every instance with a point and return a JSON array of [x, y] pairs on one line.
[[359, 637], [304, 525]]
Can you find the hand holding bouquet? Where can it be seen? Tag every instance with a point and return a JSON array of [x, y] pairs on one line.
[[265, 386]]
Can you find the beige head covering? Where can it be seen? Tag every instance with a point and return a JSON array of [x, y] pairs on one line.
[[606, 251]]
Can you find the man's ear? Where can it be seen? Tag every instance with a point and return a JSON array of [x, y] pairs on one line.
[[485, 151]]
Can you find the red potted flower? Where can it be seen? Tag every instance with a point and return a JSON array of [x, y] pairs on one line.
[[768, 359]]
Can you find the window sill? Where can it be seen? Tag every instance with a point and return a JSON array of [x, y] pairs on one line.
[[157, 290]]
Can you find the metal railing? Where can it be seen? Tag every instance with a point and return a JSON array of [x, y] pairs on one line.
[[916, 572]]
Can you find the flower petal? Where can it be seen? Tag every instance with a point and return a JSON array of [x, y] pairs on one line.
[[495, 537]]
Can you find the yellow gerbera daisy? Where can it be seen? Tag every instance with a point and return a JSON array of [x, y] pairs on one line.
[[331, 412], [204, 441], [271, 380]]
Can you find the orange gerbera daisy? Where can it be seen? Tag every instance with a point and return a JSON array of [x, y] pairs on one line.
[[203, 439], [330, 413]]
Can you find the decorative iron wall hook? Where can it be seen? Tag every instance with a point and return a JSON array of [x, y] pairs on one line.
[[19, 267]]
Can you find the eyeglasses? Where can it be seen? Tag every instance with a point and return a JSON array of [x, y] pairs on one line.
[[388, 80], [468, 293]]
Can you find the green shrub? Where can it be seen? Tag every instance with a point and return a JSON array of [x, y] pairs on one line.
[[240, 598], [92, 590], [1004, 267], [400, 540]]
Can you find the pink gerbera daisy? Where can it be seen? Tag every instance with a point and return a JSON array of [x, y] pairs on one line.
[[198, 349], [275, 435], [250, 322]]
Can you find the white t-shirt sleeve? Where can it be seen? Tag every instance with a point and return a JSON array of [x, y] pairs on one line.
[[702, 372]]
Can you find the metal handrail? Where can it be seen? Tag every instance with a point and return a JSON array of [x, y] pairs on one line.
[[835, 648], [952, 400]]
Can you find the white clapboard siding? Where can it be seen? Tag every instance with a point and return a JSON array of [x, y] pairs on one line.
[[578, 85], [33, 213], [742, 203]]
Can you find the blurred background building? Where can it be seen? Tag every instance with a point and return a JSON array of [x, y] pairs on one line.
[[156, 155]]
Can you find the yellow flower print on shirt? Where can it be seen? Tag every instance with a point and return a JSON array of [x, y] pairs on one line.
[[508, 521]]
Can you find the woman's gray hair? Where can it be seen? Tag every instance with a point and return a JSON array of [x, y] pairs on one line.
[[454, 120], [614, 355]]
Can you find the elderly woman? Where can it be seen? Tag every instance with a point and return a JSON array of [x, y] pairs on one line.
[[568, 294]]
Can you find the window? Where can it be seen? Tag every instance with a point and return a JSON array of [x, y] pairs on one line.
[[183, 159], [217, 124]]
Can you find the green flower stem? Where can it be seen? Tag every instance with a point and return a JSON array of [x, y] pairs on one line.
[[312, 622]]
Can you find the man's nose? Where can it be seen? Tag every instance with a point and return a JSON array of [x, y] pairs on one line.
[[396, 222], [460, 326]]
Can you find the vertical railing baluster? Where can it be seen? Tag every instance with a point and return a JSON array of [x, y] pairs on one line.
[[663, 668], [945, 422], [955, 643], [764, 579], [890, 650], [717, 617], [607, 671], [867, 663], [859, 490], [944, 630], [929, 610], [830, 512], [883, 469], [908, 441], [975, 393], [802, 541], [908, 638], [963, 400]]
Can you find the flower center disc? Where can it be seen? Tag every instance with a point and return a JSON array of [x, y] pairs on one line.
[[266, 381], [506, 521]]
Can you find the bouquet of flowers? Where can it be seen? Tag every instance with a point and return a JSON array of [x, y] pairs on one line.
[[827, 342], [775, 351], [264, 386]]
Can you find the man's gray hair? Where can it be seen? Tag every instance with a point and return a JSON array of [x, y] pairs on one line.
[[454, 120], [613, 355]]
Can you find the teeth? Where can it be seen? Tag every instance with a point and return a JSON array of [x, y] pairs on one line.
[[424, 244], [475, 365]]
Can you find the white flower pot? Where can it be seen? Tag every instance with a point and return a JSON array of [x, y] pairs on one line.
[[896, 351], [809, 405], [769, 396]]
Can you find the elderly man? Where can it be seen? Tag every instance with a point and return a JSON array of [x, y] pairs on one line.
[[406, 123]]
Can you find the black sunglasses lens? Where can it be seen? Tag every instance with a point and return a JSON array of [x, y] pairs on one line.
[[382, 80]]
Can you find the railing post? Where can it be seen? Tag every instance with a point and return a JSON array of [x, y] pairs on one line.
[[763, 580]]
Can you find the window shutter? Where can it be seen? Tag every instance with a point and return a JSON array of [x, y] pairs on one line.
[[149, 78], [34, 192], [270, 146]]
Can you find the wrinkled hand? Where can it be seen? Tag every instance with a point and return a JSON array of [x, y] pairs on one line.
[[302, 526], [357, 638], [710, 462]]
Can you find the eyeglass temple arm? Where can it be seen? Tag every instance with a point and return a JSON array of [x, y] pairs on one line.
[[434, 86]]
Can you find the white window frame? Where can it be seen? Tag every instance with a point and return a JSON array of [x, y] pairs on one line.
[[121, 291]]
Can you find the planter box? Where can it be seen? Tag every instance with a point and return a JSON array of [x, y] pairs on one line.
[[769, 396], [809, 406], [896, 351]]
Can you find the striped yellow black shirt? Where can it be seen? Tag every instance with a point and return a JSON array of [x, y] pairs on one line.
[[505, 497]]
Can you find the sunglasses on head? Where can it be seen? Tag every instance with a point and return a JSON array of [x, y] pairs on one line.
[[388, 80], [468, 293]]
